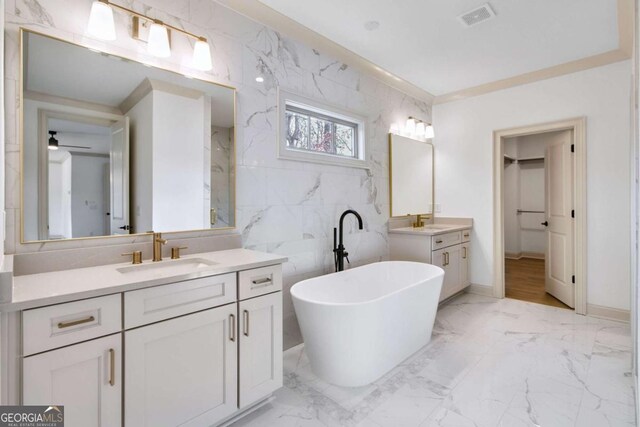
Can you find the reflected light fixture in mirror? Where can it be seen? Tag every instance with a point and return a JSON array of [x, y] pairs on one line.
[[158, 43], [102, 26]]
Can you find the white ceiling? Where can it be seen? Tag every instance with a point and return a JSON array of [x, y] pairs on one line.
[[66, 70], [423, 42]]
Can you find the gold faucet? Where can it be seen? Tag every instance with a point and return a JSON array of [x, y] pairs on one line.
[[158, 241], [419, 222]]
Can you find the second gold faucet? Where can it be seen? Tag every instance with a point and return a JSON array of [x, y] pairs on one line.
[[158, 241]]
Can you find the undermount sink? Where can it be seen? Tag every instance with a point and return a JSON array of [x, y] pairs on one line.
[[437, 226], [170, 267]]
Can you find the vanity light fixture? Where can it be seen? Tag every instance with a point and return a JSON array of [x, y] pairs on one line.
[[414, 128], [410, 126], [429, 132], [102, 26]]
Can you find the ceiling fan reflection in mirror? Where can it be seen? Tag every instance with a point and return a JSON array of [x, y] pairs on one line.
[[54, 144]]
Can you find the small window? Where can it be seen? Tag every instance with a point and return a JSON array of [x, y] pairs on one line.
[[314, 132]]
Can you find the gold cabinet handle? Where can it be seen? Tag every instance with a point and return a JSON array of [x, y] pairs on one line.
[[447, 256], [245, 314], [261, 281], [466, 235], [438, 241], [62, 325], [464, 252], [112, 367], [232, 327], [444, 259]]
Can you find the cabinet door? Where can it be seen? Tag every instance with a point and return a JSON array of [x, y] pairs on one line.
[[182, 371], [260, 347], [464, 265], [449, 260], [86, 378]]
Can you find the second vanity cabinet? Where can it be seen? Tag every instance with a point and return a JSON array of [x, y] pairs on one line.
[[190, 353], [448, 250]]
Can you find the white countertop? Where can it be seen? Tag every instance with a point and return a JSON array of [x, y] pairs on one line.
[[431, 229], [36, 290]]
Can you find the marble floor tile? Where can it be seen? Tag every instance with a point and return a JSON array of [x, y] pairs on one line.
[[490, 363]]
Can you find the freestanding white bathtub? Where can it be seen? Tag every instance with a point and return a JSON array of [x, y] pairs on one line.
[[359, 324]]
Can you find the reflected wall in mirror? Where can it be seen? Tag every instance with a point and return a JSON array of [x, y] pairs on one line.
[[111, 146], [411, 176]]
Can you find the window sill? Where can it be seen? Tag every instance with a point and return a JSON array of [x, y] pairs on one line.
[[325, 159]]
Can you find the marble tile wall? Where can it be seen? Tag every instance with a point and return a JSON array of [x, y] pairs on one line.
[[283, 206]]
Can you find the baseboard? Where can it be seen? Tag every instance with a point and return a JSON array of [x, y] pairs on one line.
[[534, 255], [520, 255], [483, 290], [609, 313]]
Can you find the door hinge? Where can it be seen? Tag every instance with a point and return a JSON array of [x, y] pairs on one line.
[[573, 148], [573, 213], [573, 279]]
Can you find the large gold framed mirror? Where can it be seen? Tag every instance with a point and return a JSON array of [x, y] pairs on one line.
[[410, 176], [112, 147]]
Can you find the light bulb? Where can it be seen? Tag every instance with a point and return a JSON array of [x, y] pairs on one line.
[[420, 128], [410, 126], [260, 79], [158, 43], [428, 132], [101, 24], [202, 55]]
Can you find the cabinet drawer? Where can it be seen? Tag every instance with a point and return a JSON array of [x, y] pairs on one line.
[[466, 235], [259, 281], [444, 240], [63, 324], [163, 302]]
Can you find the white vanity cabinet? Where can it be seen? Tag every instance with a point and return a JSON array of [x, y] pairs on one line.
[[260, 347], [182, 371], [449, 250], [196, 352], [86, 378]]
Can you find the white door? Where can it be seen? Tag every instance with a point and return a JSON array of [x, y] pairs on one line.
[[119, 164], [86, 378], [182, 372], [559, 224], [260, 347]]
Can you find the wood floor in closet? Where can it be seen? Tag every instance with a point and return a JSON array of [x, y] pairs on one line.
[[524, 280]]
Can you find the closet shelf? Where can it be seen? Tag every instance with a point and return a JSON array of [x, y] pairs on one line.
[[531, 159]]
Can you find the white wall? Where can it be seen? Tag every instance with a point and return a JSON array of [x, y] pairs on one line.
[[88, 201], [464, 153], [511, 200], [178, 162], [141, 171], [60, 197]]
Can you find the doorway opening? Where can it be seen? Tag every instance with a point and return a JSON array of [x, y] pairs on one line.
[[528, 163], [540, 214]]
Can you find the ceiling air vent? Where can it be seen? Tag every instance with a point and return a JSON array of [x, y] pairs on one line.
[[477, 15]]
